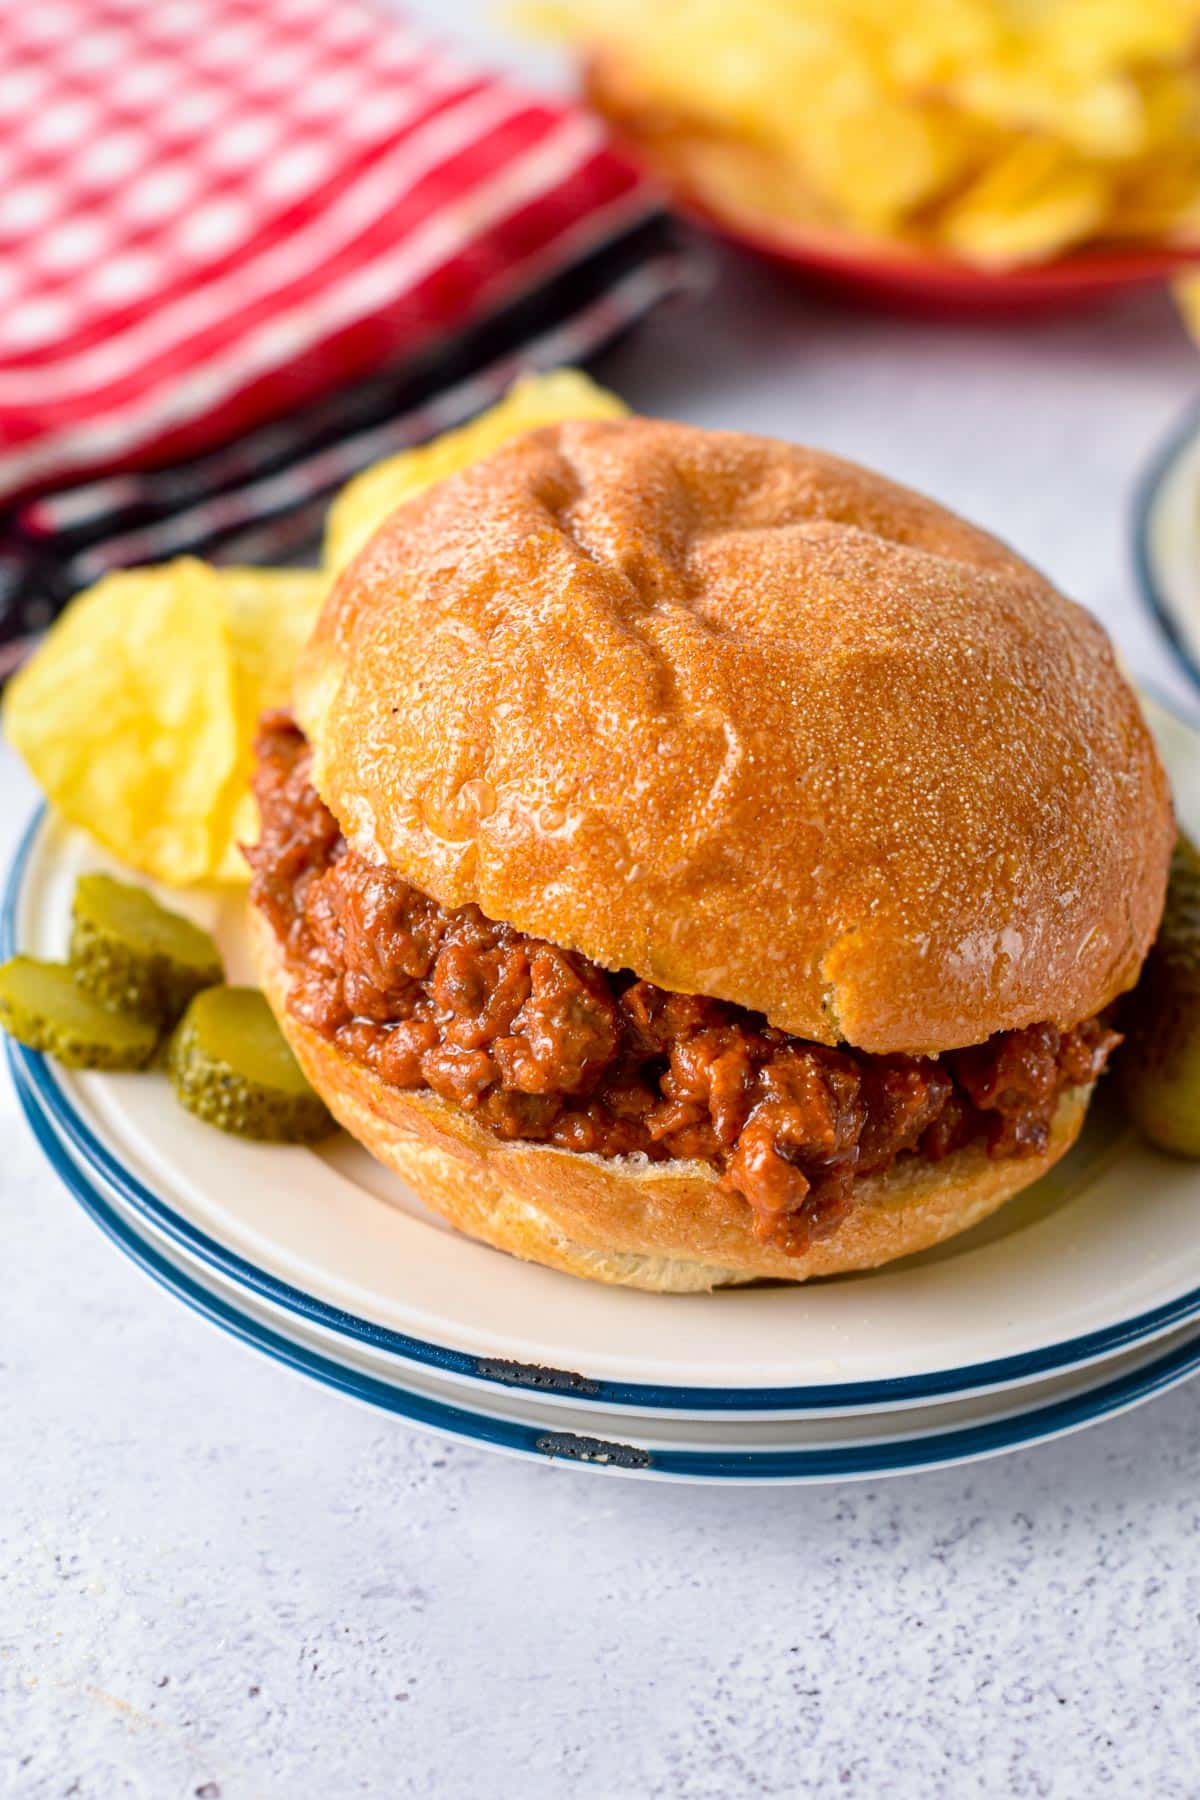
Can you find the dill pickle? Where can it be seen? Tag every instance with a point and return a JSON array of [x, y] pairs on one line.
[[42, 1005], [230, 1064], [1160, 1059], [133, 955]]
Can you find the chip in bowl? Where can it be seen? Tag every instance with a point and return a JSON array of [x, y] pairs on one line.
[[991, 133]]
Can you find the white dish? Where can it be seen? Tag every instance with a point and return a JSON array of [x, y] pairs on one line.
[[895, 1425], [1167, 542], [1102, 1254], [719, 1451]]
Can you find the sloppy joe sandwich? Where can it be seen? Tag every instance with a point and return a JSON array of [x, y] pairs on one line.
[[693, 859]]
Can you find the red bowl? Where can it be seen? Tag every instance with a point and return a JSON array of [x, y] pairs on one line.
[[911, 281], [897, 277]]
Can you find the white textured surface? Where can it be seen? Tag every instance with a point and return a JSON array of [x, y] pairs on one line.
[[215, 1580]]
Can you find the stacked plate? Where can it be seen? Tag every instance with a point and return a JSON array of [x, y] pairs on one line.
[[1077, 1301], [1167, 541]]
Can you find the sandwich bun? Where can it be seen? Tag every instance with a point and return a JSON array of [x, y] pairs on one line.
[[750, 722]]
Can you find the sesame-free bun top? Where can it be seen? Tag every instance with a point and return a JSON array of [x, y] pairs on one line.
[[752, 722]]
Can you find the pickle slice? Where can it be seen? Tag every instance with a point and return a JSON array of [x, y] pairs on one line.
[[230, 1064], [42, 1005], [1160, 1059], [135, 956]]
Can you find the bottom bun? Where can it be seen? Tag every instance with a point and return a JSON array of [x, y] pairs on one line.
[[669, 1227]]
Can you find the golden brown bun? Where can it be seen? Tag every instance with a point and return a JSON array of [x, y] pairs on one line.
[[749, 721], [666, 1227]]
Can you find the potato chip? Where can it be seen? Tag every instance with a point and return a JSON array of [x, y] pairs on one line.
[[1156, 200], [270, 613], [136, 713], [1034, 202], [126, 716], [1187, 294], [366, 502], [883, 163]]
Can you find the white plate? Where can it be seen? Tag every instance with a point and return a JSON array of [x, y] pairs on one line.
[[896, 1425], [1103, 1253], [1167, 541], [723, 1451]]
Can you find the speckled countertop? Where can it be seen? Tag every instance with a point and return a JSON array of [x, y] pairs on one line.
[[218, 1581]]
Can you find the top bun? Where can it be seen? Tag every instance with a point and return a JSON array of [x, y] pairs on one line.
[[751, 722]]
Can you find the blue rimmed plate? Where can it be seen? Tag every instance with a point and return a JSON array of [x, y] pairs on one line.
[[1058, 1279], [652, 1449], [1166, 541], [658, 1430]]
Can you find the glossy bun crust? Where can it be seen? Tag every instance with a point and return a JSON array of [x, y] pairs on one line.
[[666, 1227], [749, 721]]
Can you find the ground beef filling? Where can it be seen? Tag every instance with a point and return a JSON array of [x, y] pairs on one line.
[[537, 1042]]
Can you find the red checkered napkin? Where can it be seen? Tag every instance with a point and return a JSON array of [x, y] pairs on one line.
[[213, 211]]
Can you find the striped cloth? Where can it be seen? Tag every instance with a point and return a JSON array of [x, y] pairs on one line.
[[249, 246]]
